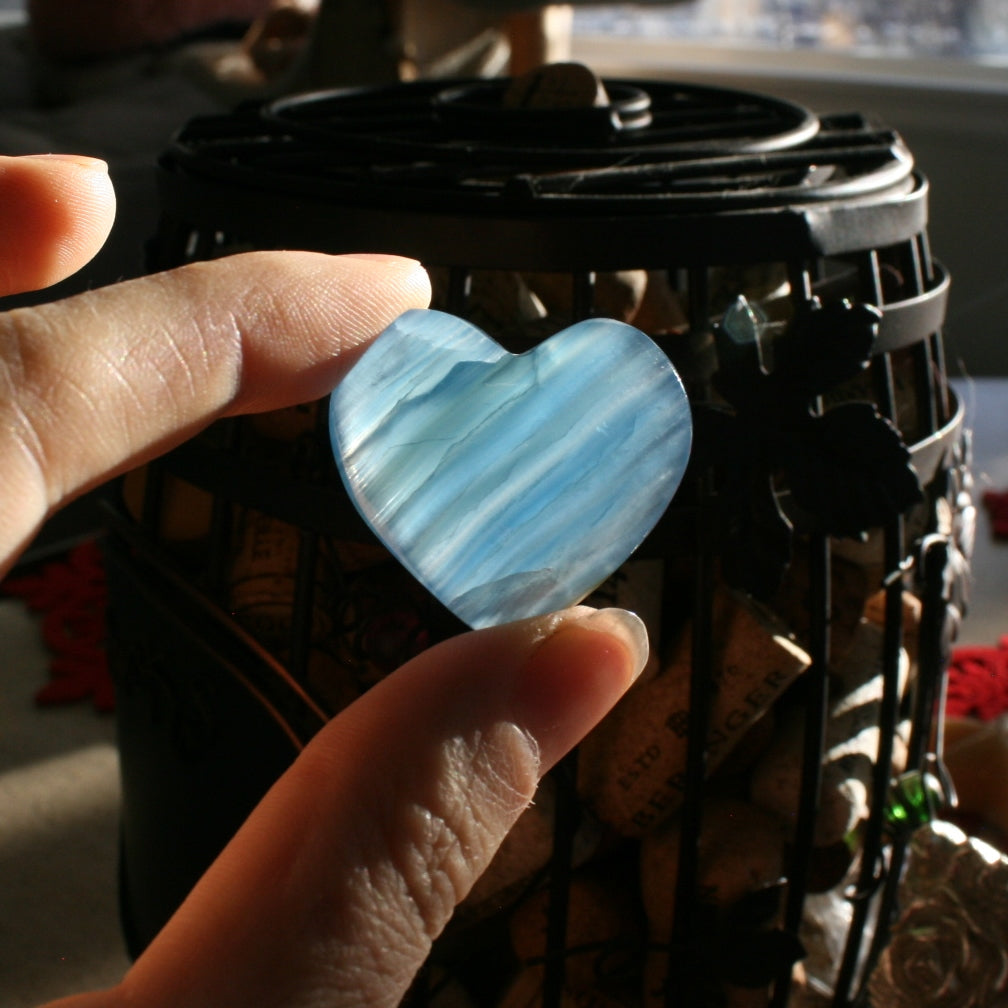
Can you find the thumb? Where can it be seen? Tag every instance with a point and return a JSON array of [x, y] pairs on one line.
[[334, 889]]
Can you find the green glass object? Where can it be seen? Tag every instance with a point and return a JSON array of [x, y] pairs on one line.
[[917, 796]]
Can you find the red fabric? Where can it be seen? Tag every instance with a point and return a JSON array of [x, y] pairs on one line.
[[71, 595], [978, 682], [996, 503], [978, 676]]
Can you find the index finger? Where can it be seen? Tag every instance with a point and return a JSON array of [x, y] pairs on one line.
[[98, 383]]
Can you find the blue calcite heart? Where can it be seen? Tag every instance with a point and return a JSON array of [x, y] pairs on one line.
[[510, 485]]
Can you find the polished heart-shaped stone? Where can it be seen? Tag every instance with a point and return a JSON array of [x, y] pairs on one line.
[[510, 485]]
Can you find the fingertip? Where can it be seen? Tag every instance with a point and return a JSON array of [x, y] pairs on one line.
[[625, 626], [399, 276], [306, 316], [56, 211], [585, 662], [382, 281]]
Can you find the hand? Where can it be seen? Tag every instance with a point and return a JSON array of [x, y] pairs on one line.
[[96, 384], [333, 890]]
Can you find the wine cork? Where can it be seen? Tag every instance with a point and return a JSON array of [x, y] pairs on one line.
[[184, 511], [851, 585], [858, 677], [661, 310], [851, 745], [956, 729], [776, 782], [499, 302], [263, 579], [869, 551], [556, 86], [863, 387], [526, 991], [353, 557], [524, 854], [845, 783], [976, 757], [804, 993], [617, 295], [756, 282], [745, 997], [740, 851], [603, 934], [631, 766], [727, 995], [753, 741], [875, 609], [381, 617]]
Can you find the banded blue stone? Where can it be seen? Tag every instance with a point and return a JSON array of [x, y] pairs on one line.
[[510, 485]]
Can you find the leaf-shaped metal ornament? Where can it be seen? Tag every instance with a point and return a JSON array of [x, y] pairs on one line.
[[826, 344], [842, 472], [755, 951], [851, 470]]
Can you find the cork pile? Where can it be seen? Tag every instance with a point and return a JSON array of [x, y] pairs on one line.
[[620, 803]]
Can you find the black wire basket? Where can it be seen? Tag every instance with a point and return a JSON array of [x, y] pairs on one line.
[[781, 260]]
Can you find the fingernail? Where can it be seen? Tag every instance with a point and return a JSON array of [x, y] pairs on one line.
[[81, 160], [627, 626], [379, 257], [582, 663]]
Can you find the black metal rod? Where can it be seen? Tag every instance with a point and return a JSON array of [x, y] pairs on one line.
[[459, 284], [813, 743], [682, 984], [565, 824], [583, 295], [872, 851], [303, 604], [928, 703], [222, 519]]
